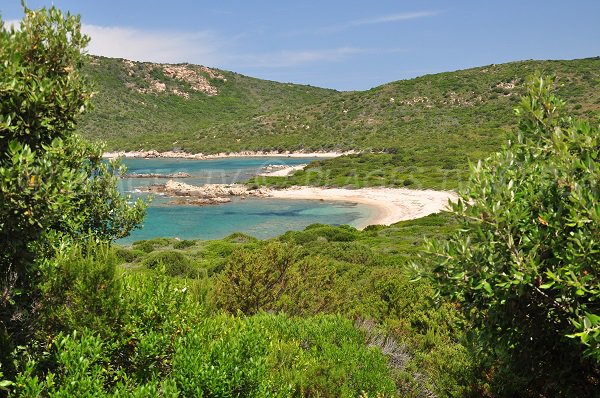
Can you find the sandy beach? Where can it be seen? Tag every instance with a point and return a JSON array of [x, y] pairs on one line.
[[392, 204], [201, 156], [283, 171]]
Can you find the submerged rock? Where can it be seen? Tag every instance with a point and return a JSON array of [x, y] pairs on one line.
[[188, 200]]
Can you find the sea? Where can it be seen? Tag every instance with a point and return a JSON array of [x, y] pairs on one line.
[[258, 217]]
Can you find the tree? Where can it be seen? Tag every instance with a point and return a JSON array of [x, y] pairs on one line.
[[524, 265], [54, 186]]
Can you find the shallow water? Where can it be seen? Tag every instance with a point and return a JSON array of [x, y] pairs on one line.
[[259, 217]]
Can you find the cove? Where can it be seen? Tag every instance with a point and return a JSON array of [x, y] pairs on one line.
[[259, 217]]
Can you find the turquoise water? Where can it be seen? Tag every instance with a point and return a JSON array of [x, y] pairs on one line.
[[259, 217]]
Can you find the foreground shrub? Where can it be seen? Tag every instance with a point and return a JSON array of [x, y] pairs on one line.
[[261, 356], [327, 233], [149, 245], [80, 290], [524, 263], [53, 184], [255, 279]]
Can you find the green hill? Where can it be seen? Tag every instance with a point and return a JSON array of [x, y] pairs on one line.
[[429, 126], [151, 106]]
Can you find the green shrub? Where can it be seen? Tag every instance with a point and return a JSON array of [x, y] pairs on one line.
[[149, 245], [328, 233], [218, 249], [349, 252], [255, 279], [173, 349], [238, 237], [55, 188], [173, 263], [128, 255], [523, 264], [143, 246], [80, 290], [184, 244]]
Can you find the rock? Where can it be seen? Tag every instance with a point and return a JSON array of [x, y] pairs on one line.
[[199, 201], [216, 193], [152, 175]]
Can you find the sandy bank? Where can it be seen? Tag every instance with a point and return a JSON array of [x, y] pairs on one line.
[[392, 204], [282, 171], [201, 156]]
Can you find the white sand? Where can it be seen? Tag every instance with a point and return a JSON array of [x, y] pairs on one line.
[[200, 156], [392, 204], [283, 171]]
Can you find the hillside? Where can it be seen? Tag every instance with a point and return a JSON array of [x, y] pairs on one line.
[[147, 105], [429, 126]]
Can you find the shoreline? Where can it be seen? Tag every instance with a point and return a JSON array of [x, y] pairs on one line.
[[391, 204], [200, 156], [284, 171]]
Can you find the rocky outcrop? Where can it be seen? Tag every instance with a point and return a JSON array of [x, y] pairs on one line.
[[196, 81], [208, 194], [192, 75]]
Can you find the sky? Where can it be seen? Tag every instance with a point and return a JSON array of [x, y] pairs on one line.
[[345, 45]]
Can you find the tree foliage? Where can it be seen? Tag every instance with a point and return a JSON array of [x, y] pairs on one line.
[[524, 265], [54, 186], [255, 279]]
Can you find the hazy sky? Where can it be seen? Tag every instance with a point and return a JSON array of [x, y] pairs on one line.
[[347, 45]]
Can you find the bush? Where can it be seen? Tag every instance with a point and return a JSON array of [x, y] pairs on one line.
[[173, 349], [173, 263], [350, 252], [143, 246], [524, 263], [184, 244], [238, 237], [55, 188], [327, 233], [128, 255], [255, 279], [80, 290]]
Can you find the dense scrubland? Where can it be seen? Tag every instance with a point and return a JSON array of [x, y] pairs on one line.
[[499, 297]]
